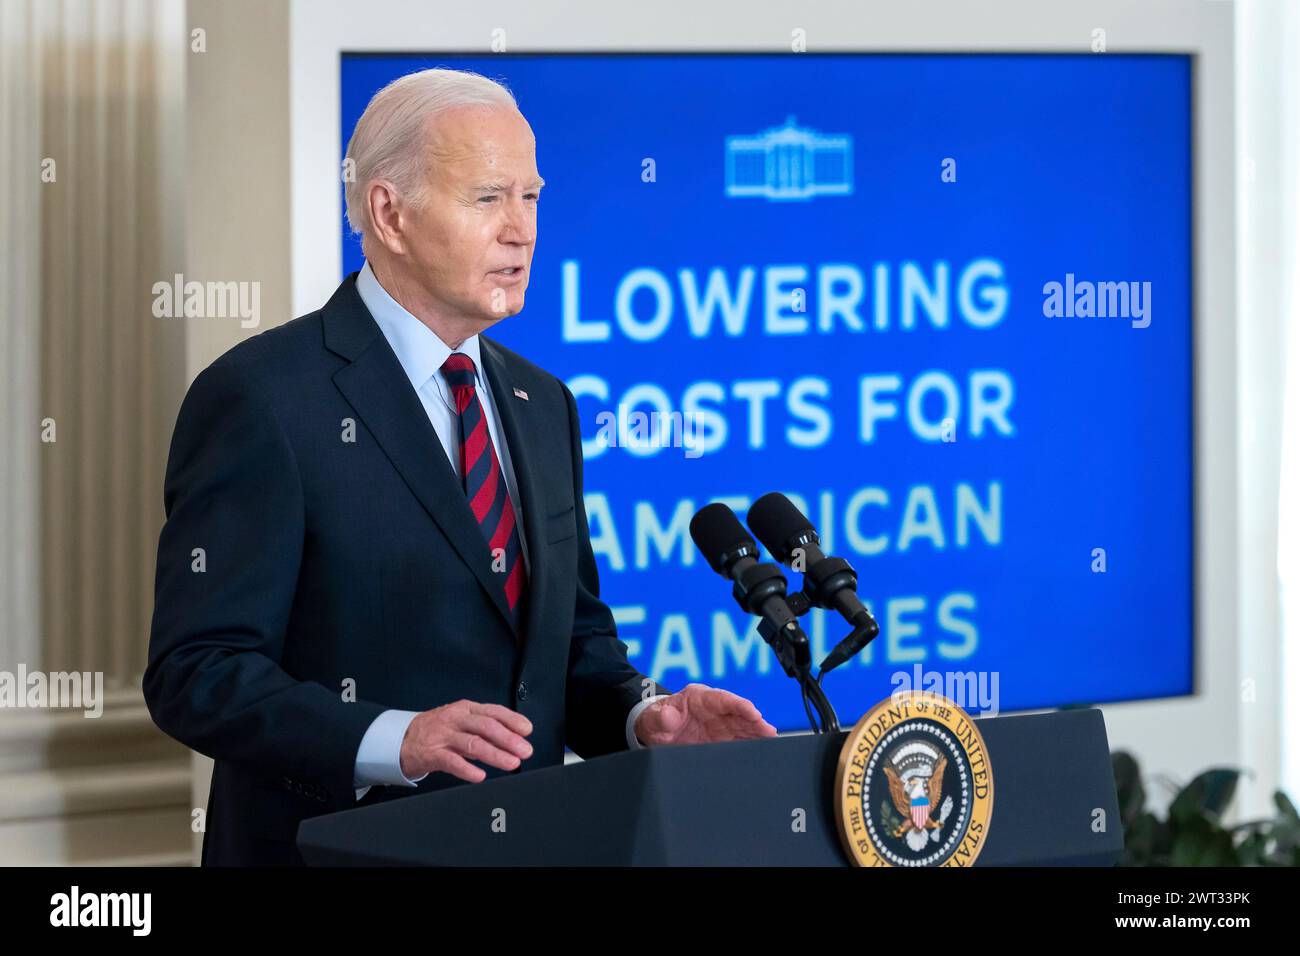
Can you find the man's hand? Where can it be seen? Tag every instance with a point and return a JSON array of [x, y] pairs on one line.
[[447, 738], [697, 714]]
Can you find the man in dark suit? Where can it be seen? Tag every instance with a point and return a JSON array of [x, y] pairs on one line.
[[375, 578]]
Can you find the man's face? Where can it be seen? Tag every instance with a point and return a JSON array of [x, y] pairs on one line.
[[479, 216]]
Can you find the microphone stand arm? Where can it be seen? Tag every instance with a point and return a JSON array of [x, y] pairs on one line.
[[752, 589]]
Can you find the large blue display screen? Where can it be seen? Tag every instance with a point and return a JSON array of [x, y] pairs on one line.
[[915, 293]]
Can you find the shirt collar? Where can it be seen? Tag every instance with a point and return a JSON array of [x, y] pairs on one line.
[[419, 350]]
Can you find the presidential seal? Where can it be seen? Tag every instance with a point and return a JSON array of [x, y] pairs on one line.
[[913, 786]]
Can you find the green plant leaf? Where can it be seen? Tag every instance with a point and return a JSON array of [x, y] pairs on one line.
[[1131, 794], [1146, 841], [1285, 807], [1200, 842], [1193, 833], [1208, 794], [1251, 850]]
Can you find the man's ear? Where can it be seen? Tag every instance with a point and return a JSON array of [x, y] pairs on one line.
[[387, 216]]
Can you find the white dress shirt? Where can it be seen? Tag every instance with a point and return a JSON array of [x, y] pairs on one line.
[[422, 354]]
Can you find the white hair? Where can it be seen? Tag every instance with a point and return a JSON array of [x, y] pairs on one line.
[[389, 139]]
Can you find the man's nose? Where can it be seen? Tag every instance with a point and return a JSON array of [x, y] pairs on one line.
[[520, 227]]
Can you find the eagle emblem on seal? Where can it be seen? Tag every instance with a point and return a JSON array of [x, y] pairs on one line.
[[916, 792]]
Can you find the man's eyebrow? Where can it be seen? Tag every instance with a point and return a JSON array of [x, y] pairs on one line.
[[502, 187]]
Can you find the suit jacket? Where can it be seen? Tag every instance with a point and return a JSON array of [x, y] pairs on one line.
[[296, 565]]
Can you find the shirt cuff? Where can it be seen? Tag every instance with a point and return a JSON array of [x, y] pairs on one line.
[[632, 742], [379, 758]]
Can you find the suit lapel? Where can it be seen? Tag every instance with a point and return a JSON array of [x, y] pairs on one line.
[[376, 386]]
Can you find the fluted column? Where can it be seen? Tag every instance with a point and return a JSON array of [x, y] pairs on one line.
[[20, 274], [107, 378], [90, 106]]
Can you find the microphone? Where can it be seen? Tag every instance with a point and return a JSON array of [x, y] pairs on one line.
[[758, 588], [829, 583]]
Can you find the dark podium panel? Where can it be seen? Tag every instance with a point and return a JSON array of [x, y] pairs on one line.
[[730, 804]]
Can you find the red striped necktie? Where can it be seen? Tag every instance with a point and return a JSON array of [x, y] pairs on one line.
[[485, 484]]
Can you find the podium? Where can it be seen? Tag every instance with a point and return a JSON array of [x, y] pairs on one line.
[[730, 804]]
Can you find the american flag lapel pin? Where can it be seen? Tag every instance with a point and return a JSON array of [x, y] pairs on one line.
[[520, 393]]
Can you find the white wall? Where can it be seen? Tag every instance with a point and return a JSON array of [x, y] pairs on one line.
[[1268, 263]]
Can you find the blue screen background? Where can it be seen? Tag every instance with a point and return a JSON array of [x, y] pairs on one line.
[[1074, 164]]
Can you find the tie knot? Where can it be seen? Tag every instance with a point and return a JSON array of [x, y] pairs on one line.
[[459, 371]]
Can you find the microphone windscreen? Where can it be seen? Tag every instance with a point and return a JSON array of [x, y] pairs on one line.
[[717, 531], [778, 523]]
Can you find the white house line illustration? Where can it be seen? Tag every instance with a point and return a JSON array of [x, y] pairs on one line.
[[789, 162]]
